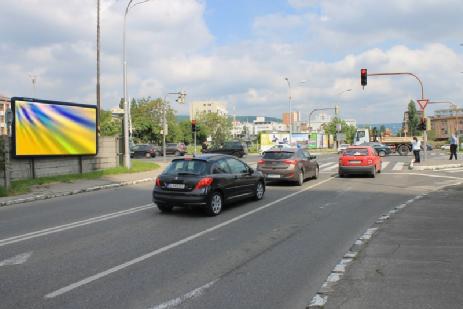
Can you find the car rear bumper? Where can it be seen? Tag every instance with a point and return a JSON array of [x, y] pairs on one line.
[[356, 169], [278, 175], [177, 198]]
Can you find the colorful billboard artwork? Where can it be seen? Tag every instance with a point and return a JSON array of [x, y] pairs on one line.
[[46, 128]]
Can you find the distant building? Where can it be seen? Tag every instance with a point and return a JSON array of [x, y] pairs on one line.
[[296, 117], [4, 105], [351, 122], [200, 107], [318, 121], [447, 121]]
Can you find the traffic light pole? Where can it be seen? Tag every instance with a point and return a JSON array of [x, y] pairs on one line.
[[195, 142], [425, 134]]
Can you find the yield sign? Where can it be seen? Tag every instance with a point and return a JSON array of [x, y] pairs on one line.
[[423, 103]]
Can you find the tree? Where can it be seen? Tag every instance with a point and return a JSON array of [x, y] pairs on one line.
[[108, 125], [348, 130], [382, 130], [147, 116], [216, 126], [413, 118]]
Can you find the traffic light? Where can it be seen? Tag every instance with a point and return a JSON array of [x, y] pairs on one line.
[[422, 125], [363, 77], [193, 125], [181, 97]]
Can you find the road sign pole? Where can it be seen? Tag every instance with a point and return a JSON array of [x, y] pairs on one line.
[[195, 142]]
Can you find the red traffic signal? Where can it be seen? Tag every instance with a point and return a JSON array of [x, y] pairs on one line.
[[193, 125], [363, 77]]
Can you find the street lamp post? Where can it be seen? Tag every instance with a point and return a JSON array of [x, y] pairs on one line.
[[127, 162], [290, 114]]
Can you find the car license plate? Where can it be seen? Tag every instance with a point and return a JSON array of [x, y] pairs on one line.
[[176, 186], [273, 176], [355, 162]]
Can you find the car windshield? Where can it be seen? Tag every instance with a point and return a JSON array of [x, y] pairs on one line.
[[277, 155], [186, 167], [356, 152]]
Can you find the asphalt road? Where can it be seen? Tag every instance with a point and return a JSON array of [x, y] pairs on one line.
[[114, 249]]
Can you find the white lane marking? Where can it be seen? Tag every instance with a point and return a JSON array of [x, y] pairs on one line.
[[427, 175], [384, 165], [326, 164], [72, 225], [176, 244], [190, 295], [16, 260], [331, 167], [398, 166]]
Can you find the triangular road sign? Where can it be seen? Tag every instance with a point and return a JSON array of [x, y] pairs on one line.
[[423, 103]]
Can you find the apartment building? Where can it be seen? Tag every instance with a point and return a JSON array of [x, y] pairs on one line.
[[200, 107]]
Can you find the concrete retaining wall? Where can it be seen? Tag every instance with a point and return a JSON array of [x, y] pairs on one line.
[[27, 168]]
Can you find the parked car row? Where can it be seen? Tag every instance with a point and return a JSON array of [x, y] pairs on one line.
[[152, 151]]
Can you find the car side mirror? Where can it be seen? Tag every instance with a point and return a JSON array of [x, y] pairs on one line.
[[313, 157], [251, 170]]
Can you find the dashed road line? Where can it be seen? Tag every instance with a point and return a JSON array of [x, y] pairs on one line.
[[148, 255]]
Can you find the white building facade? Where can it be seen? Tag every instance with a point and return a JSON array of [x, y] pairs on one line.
[[200, 107]]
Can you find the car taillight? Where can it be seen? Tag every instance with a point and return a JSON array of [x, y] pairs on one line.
[[294, 162], [204, 182], [260, 162], [158, 182]]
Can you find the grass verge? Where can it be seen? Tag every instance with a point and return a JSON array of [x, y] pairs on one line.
[[24, 186]]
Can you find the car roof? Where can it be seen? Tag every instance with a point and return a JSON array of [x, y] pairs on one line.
[[362, 147], [207, 157], [282, 150]]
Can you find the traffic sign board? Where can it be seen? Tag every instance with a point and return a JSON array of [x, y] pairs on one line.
[[423, 103]]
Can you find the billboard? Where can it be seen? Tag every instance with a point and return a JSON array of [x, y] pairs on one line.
[[49, 128]]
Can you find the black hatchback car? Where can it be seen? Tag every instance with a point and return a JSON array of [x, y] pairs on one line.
[[145, 151], [234, 148], [208, 181]]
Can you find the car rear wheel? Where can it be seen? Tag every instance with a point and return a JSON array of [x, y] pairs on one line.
[[300, 178], [373, 172], [403, 150], [214, 207], [260, 190], [381, 153], [165, 207], [147, 155]]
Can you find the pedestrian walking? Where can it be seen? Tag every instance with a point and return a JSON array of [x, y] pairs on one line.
[[416, 147], [453, 146]]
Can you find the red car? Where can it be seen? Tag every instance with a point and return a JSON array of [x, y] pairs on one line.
[[359, 160]]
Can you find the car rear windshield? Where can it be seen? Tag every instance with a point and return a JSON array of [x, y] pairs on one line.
[[356, 152], [277, 155], [186, 167]]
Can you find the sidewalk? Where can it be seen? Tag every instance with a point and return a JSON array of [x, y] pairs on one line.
[[437, 164], [53, 190], [413, 260]]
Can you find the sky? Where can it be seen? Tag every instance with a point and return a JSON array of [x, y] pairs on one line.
[[239, 51]]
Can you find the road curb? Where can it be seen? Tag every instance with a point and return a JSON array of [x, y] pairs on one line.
[[321, 297], [74, 192], [437, 167]]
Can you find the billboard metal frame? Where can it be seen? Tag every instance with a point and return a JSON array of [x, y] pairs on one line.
[[34, 100]]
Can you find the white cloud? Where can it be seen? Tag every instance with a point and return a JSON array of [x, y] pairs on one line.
[[170, 48]]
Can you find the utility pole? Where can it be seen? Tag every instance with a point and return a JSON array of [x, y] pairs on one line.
[[98, 107]]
